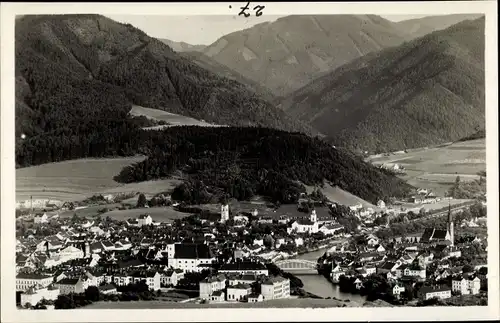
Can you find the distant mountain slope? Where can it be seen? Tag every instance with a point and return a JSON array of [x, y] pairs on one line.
[[424, 92], [182, 46], [219, 69], [290, 52], [77, 77], [416, 28]]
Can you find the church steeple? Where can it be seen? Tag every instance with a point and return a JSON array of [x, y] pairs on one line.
[[451, 225]]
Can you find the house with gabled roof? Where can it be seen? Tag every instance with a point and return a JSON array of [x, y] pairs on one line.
[[188, 256]]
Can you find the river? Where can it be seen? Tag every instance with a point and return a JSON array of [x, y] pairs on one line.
[[319, 285]]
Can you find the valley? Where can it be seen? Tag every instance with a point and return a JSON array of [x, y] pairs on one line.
[[285, 164]]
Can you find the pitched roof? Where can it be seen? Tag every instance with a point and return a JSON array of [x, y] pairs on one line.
[[69, 281], [305, 222], [192, 251], [31, 276]]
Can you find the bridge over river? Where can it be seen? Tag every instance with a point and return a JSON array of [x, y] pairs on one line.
[[298, 266]]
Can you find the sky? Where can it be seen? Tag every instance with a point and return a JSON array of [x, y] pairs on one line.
[[203, 30]]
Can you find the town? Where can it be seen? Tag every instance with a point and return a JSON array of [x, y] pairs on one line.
[[227, 255]]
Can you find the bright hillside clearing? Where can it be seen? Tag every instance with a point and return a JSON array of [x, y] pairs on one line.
[[160, 214], [171, 118], [436, 168], [78, 179]]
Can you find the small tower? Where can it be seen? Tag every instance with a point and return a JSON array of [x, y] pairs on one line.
[[87, 249], [224, 213], [314, 217], [451, 225]]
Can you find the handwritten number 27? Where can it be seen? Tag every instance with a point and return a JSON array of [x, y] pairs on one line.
[[246, 7]]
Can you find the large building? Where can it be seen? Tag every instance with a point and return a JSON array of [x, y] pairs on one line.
[[189, 256], [440, 236], [466, 285], [428, 292], [244, 268], [25, 281], [275, 288], [71, 285], [210, 285], [310, 225]]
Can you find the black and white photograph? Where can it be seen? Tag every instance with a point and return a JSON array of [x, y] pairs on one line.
[[254, 157]]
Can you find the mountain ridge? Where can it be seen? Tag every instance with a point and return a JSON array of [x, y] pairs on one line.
[[287, 53], [77, 77], [353, 104], [95, 49]]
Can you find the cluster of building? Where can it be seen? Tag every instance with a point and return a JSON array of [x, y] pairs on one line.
[[406, 264], [87, 254]]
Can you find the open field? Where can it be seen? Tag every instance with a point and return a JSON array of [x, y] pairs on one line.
[[160, 214], [431, 206], [436, 168], [171, 118], [78, 179], [88, 212]]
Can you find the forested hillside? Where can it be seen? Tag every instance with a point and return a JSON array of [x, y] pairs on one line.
[[241, 162], [424, 92], [77, 77]]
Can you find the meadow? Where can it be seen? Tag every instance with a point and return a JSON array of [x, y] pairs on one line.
[[160, 214], [436, 168], [171, 118], [78, 179]]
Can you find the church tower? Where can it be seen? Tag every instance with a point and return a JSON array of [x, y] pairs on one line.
[[224, 213], [314, 217], [87, 249], [451, 225]]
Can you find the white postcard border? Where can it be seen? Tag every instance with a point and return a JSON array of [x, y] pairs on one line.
[[9, 313]]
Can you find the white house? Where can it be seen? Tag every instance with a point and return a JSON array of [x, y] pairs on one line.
[[381, 204], [428, 292], [238, 292], [70, 253], [25, 281], [466, 286], [41, 218], [397, 290], [310, 225], [172, 276], [330, 229], [217, 297], [71, 285], [275, 288], [144, 219], [210, 285], [189, 256]]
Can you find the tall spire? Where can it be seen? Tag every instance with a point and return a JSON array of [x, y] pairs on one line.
[[450, 225]]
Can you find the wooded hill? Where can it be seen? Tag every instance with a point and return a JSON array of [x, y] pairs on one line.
[[242, 162], [424, 92], [77, 77]]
